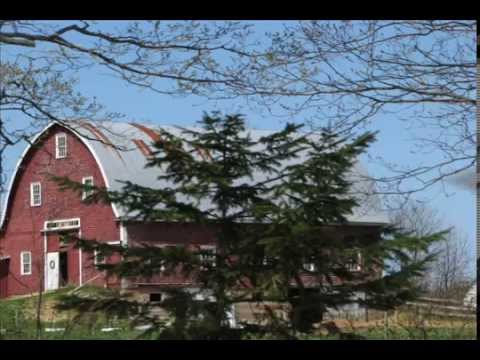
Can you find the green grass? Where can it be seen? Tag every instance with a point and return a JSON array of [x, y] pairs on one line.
[[417, 334], [27, 330], [17, 319], [399, 334]]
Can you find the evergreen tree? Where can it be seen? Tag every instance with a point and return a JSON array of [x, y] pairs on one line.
[[276, 204]]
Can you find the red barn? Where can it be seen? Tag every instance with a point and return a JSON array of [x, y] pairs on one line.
[[36, 213]]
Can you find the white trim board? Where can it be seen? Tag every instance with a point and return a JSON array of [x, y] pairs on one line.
[[62, 221]]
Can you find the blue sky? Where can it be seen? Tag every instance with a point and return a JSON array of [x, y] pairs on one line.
[[394, 143]]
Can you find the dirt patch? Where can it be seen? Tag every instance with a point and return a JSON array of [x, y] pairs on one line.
[[28, 307], [49, 313]]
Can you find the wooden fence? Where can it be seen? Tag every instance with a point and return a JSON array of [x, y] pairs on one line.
[[427, 307], [442, 308]]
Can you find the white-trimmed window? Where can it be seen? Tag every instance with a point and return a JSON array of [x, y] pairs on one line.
[[266, 261], [355, 264], [35, 194], [88, 180], [61, 146], [98, 258], [25, 263], [164, 246], [208, 255], [269, 260], [65, 224]]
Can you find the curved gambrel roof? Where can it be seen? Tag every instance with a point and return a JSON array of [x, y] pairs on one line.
[[121, 151]]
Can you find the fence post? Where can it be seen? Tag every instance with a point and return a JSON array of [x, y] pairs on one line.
[[385, 325]]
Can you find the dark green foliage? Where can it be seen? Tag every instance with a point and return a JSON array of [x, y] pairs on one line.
[[274, 203]]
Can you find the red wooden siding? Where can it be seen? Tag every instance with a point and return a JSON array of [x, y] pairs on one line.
[[22, 231]]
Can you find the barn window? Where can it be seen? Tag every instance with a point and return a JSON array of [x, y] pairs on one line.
[[98, 258], [355, 263], [89, 182], [61, 146], [35, 194], [163, 262], [26, 263], [207, 255], [62, 224], [269, 260], [155, 297]]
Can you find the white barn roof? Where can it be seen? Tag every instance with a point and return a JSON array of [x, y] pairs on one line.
[[120, 151]]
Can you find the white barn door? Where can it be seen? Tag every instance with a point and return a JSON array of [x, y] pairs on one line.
[[53, 272]]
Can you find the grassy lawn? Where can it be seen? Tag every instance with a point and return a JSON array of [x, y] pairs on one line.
[[397, 334], [15, 311], [18, 321], [418, 334]]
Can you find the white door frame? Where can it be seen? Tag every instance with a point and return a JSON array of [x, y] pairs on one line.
[[64, 224]]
